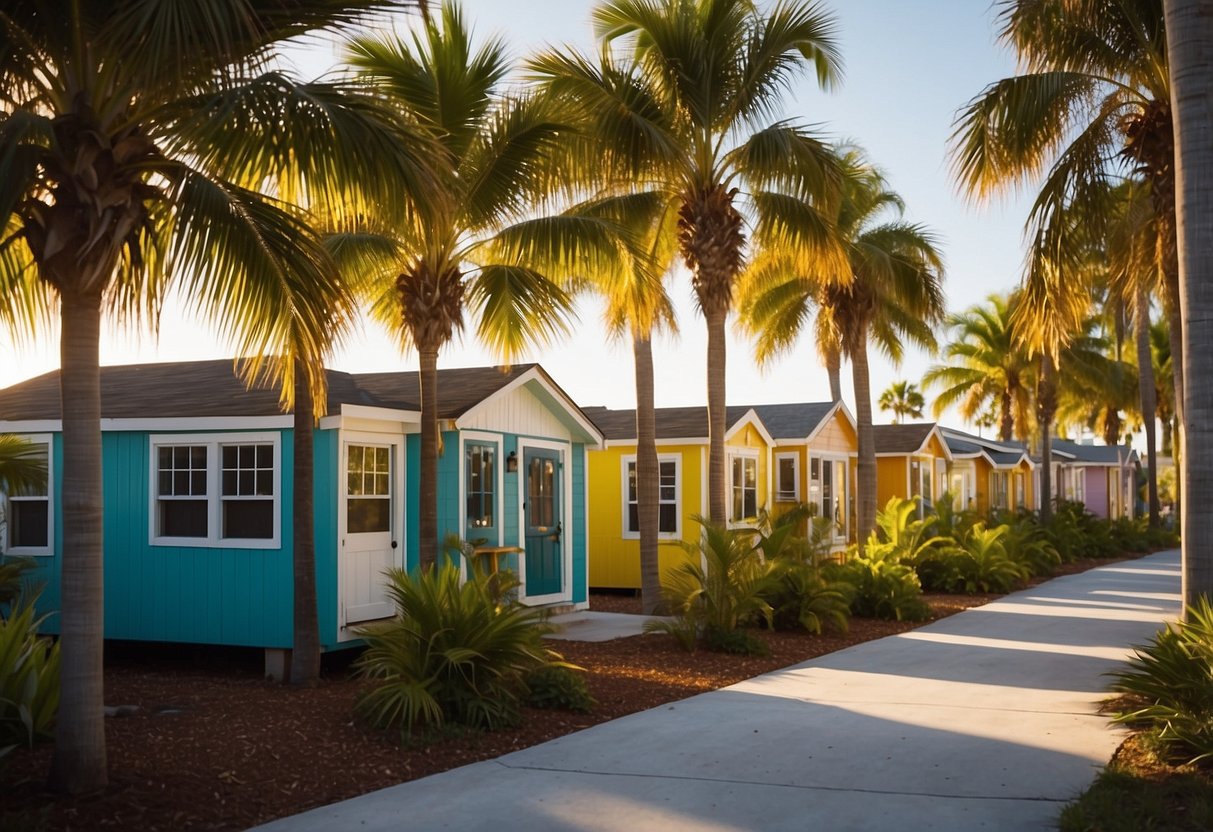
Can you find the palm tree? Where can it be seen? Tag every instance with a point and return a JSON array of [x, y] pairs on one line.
[[894, 293], [1164, 389], [20, 466], [479, 246], [984, 368], [133, 139], [1092, 106], [1191, 61], [687, 110], [903, 400]]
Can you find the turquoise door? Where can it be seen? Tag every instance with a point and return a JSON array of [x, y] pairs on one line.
[[543, 530]]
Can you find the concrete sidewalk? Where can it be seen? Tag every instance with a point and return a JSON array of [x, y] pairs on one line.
[[984, 720]]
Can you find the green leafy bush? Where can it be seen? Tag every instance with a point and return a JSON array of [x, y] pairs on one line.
[[1169, 683], [13, 573], [983, 564], [711, 604], [1027, 543], [559, 686], [455, 653], [29, 677], [882, 587], [801, 597]]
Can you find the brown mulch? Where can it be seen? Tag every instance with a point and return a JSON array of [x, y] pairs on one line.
[[215, 746]]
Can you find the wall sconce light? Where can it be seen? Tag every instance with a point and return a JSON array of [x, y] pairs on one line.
[[511, 463]]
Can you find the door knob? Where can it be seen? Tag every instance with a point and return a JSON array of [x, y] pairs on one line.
[[394, 544]]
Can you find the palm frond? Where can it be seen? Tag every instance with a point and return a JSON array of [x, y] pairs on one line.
[[517, 307]]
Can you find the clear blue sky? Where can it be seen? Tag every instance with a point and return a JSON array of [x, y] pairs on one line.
[[909, 66]]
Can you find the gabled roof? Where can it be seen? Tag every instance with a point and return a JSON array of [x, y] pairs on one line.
[[212, 389], [902, 439], [1095, 454], [999, 453], [777, 421], [671, 422]]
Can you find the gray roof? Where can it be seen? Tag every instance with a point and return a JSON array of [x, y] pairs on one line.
[[671, 422], [1094, 454], [901, 439], [212, 388], [782, 421]]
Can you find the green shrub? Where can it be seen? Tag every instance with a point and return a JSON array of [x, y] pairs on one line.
[[720, 599], [906, 538], [455, 653], [13, 573], [29, 677], [1169, 684], [559, 686], [983, 564], [881, 587], [1028, 544], [802, 598]]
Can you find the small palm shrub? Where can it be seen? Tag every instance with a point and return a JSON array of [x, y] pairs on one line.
[[1169, 685], [559, 686], [456, 653], [13, 573], [29, 677], [983, 564], [880, 586], [906, 538], [1026, 542], [802, 597], [712, 604]]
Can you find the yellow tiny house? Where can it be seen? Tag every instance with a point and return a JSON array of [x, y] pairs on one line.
[[911, 461]]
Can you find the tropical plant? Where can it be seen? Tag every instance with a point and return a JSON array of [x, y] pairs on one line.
[[29, 677], [881, 586], [134, 137], [1169, 685], [717, 590], [902, 535], [983, 367], [476, 242], [453, 654], [798, 591], [683, 108], [22, 465], [903, 400], [559, 686], [891, 292], [983, 563], [13, 573]]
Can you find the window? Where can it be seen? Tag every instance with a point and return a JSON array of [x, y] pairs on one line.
[[216, 490], [744, 488], [787, 477], [668, 488], [998, 489], [1021, 493], [29, 512], [368, 503], [481, 479]]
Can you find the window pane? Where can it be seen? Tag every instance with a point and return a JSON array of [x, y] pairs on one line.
[[632, 486], [247, 482], [355, 461], [368, 515], [181, 482], [633, 518], [165, 457], [751, 472], [183, 518], [668, 518], [230, 456], [198, 483], [382, 460], [382, 487], [248, 456], [166, 479], [229, 483], [353, 483], [265, 456], [29, 523], [198, 457], [487, 510], [265, 483], [248, 519]]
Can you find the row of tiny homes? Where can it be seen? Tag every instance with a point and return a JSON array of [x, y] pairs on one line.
[[776, 456], [198, 486]]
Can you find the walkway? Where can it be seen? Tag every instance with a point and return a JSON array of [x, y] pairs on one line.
[[984, 720]]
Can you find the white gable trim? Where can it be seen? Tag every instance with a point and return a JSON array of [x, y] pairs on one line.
[[838, 405], [749, 418], [536, 375]]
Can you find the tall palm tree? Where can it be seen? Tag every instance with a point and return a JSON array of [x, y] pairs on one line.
[[903, 400], [985, 368], [1092, 106], [688, 110], [637, 304], [1164, 390], [892, 293], [131, 135], [1191, 59], [481, 246]]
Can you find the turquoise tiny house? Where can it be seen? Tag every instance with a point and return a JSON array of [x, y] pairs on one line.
[[198, 485]]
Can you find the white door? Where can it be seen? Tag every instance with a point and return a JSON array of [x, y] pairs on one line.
[[370, 542]]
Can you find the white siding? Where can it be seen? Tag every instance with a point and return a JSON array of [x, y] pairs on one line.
[[517, 411]]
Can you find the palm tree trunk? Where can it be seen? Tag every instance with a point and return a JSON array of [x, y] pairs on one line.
[[833, 360], [717, 482], [1145, 387], [79, 762], [866, 468], [1006, 417], [305, 655], [1046, 408], [427, 522], [647, 474], [1190, 53]]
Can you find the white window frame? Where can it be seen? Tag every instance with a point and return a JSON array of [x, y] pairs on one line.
[[214, 499], [628, 460], [34, 551], [749, 455], [781, 494]]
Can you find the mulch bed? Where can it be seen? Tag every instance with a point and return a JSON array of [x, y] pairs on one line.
[[215, 746]]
